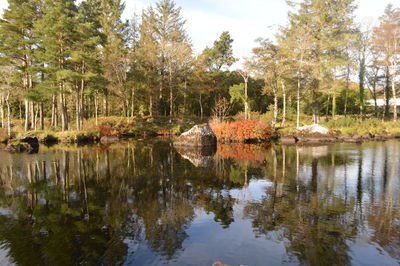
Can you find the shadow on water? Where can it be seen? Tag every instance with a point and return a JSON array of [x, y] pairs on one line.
[[149, 203]]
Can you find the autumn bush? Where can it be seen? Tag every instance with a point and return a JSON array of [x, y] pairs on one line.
[[106, 130], [241, 131]]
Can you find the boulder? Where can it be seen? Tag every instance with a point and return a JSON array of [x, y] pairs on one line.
[[32, 141], [25, 144], [109, 139], [197, 136], [313, 129]]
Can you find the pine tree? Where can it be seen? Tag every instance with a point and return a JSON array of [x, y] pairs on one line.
[[18, 42], [165, 27], [329, 27], [58, 35], [114, 51], [85, 56], [221, 54]]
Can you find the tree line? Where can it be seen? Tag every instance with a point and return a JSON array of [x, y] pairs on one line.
[[64, 62]]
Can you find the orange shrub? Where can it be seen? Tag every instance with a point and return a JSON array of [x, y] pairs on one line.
[[106, 130], [241, 131]]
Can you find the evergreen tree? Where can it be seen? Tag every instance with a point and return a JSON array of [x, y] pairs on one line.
[[18, 42], [58, 35], [221, 54], [114, 51]]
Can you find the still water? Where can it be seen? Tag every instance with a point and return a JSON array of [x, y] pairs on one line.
[[145, 203]]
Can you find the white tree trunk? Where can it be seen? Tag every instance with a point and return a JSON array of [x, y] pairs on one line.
[[8, 114]]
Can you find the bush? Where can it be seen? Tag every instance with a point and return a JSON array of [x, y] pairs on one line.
[[241, 131]]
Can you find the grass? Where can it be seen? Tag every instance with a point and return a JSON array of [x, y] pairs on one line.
[[108, 126], [350, 126], [353, 126]]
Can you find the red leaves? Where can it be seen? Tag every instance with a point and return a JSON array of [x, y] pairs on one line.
[[241, 131], [106, 130]]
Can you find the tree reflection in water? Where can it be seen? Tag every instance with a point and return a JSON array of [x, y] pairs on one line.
[[92, 205]]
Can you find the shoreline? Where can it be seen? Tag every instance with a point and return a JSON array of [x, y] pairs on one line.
[[313, 139]]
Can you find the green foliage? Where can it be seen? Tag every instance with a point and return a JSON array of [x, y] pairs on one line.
[[221, 54]]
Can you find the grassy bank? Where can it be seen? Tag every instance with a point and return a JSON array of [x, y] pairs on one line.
[[351, 126], [109, 126], [234, 131]]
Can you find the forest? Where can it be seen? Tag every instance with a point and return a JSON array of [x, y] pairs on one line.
[[67, 65]]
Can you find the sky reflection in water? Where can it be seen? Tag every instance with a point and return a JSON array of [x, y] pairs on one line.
[[145, 203]]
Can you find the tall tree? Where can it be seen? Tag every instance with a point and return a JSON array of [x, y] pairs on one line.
[[57, 32], [329, 25], [387, 45], [17, 43], [114, 55]]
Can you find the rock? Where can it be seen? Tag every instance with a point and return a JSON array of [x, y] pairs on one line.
[[109, 139], [32, 141], [197, 136], [26, 144], [311, 129], [198, 156], [317, 139]]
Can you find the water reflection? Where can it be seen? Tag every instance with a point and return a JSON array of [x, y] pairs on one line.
[[148, 204]]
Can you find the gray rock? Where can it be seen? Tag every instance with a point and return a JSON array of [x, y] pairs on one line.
[[197, 136]]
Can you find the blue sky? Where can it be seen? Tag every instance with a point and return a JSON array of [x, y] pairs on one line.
[[246, 20]]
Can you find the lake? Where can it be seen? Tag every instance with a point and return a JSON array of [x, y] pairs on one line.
[[145, 203]]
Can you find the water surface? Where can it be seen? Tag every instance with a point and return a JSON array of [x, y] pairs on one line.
[[145, 203]]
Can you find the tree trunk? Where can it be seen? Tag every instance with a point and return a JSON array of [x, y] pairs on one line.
[[41, 116], [82, 109], [151, 106], [334, 104], [201, 106], [96, 109], [33, 118], [77, 111], [26, 127], [8, 114], [105, 105], [171, 100], [54, 112], [394, 99], [347, 90], [275, 109], [64, 114], [361, 77], [284, 104], [36, 115], [315, 106], [387, 94], [133, 102], [298, 103]]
